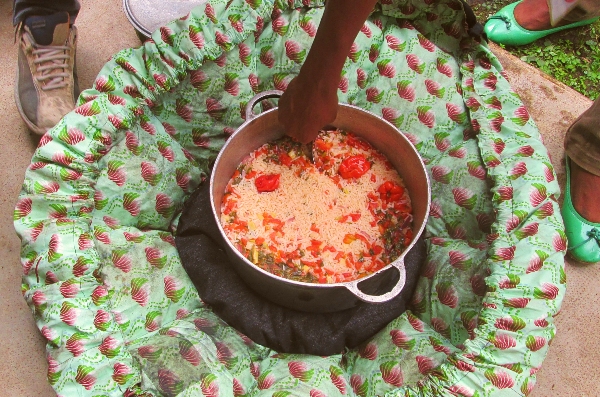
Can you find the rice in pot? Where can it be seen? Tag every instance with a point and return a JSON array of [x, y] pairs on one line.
[[339, 219]]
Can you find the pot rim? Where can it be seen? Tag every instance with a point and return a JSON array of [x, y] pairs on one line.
[[399, 261]]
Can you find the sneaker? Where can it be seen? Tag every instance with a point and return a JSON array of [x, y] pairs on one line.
[[46, 86]]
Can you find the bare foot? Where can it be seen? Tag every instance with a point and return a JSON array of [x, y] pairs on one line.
[[585, 193], [533, 14]]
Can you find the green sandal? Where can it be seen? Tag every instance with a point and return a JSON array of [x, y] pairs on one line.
[[583, 236], [503, 28]]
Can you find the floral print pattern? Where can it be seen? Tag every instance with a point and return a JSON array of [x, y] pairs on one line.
[[103, 193]]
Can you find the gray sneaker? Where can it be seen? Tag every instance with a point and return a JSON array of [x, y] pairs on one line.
[[46, 86]]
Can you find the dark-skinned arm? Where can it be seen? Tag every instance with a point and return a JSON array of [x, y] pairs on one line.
[[310, 100]]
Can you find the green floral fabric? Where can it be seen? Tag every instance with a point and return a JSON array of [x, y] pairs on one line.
[[104, 190]]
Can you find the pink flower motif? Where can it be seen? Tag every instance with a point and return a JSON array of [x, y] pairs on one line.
[[121, 373], [68, 313], [559, 242], [478, 284], [461, 391], [435, 209], [503, 341], [476, 170], [535, 343], [300, 370], [109, 347], [541, 322], [99, 295], [391, 373], [425, 43], [121, 260], [426, 116], [464, 197], [69, 288], [441, 173], [255, 369], [140, 291], [84, 378], [500, 379], [265, 381], [189, 352], [415, 63], [101, 319], [75, 344], [547, 291], [238, 388], [358, 384], [425, 364], [447, 294], [369, 351], [38, 298], [48, 333], [406, 90], [415, 322], [401, 340], [517, 303]]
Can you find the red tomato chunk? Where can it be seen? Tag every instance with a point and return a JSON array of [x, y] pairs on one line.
[[390, 192], [267, 183], [354, 167]]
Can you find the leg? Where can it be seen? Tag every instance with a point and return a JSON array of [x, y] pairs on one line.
[[25, 8], [545, 14], [582, 146], [581, 207], [526, 21]]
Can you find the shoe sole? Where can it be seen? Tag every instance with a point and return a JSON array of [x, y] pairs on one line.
[[579, 261], [32, 127]]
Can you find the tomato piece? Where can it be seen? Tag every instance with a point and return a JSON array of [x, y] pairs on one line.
[[285, 159], [354, 167], [322, 145], [250, 175], [358, 143], [267, 183], [259, 240], [348, 238], [229, 206], [377, 249], [329, 248], [390, 192]]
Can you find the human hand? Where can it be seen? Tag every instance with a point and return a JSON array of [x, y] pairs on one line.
[[310, 101], [306, 107]]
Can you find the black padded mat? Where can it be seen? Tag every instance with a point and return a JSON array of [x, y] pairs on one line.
[[201, 248]]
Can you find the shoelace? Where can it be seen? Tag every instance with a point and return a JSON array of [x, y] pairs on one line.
[[593, 234], [502, 18], [51, 64]]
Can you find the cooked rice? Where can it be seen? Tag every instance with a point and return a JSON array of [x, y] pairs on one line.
[[317, 226]]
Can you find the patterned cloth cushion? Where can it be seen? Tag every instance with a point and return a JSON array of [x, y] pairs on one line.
[[102, 197]]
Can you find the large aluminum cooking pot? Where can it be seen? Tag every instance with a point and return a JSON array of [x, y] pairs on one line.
[[378, 287]]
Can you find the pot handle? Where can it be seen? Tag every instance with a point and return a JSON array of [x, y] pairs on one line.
[[353, 287], [259, 97]]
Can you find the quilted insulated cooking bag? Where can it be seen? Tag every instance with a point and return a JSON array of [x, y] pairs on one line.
[[104, 190]]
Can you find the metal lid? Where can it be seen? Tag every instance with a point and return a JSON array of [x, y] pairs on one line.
[[148, 15]]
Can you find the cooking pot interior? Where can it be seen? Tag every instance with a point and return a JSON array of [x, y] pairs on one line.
[[376, 131]]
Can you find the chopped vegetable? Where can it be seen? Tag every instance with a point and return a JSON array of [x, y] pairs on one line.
[[354, 167], [267, 183]]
